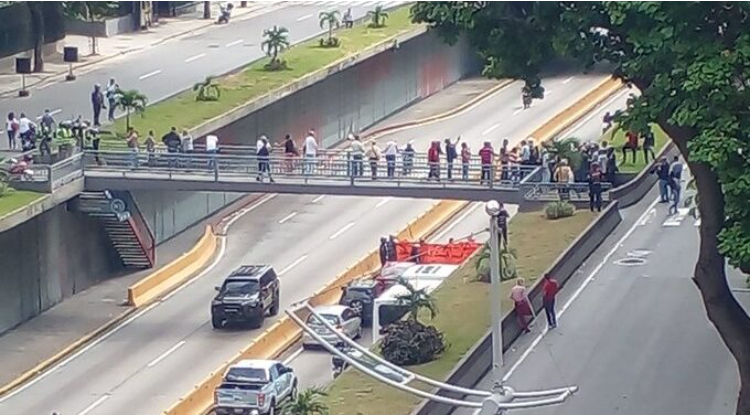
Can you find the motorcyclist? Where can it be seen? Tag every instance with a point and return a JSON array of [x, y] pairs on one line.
[[527, 97], [225, 11]]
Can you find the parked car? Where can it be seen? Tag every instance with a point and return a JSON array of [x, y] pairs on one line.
[[360, 295], [343, 318], [246, 296], [255, 387]]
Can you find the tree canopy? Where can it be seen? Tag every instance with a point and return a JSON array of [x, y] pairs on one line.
[[690, 61]]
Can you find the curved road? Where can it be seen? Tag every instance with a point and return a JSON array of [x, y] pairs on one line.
[[148, 362]]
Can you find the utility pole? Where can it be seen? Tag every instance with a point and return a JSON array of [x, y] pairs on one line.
[[492, 209]]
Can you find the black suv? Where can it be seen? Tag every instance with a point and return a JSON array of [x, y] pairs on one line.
[[360, 295], [246, 296]]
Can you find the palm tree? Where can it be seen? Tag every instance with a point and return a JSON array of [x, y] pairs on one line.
[[276, 40], [378, 17], [132, 101], [568, 148], [330, 19], [208, 90], [416, 300], [307, 402]]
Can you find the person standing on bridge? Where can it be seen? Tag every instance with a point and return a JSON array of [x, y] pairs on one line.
[[450, 149], [357, 152], [263, 152], [434, 161], [151, 146], [291, 152], [309, 151], [521, 304], [133, 147], [486, 162], [465, 158], [390, 154], [374, 155], [172, 141], [408, 157], [550, 288]]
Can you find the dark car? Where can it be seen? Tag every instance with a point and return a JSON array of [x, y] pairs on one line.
[[246, 296], [360, 295]]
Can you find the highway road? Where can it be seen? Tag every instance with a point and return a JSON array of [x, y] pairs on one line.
[[166, 69], [145, 364]]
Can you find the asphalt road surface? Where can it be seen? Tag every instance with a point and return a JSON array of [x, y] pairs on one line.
[[635, 339], [149, 361], [166, 69]]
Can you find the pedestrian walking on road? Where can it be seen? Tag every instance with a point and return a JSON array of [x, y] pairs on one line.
[[111, 93], [550, 288], [465, 158], [374, 155], [383, 251], [595, 189], [661, 169], [486, 162], [97, 103], [11, 128], [434, 161], [309, 151], [390, 154], [26, 129], [408, 157], [675, 173], [521, 305], [357, 152], [450, 149], [263, 153]]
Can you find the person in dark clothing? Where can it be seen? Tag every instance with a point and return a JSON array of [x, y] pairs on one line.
[[648, 145], [291, 152], [97, 103], [172, 141], [502, 220], [611, 167], [391, 249], [262, 154], [383, 251], [550, 288], [595, 189], [662, 171], [450, 148]]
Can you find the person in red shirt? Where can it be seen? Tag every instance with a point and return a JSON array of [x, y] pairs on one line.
[[550, 288], [631, 145], [486, 161], [434, 153]]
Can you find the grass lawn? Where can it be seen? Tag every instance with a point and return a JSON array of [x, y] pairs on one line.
[[463, 317], [183, 111], [16, 199], [618, 140]]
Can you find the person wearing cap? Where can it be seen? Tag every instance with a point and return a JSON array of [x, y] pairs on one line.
[[357, 151], [390, 154], [408, 156]]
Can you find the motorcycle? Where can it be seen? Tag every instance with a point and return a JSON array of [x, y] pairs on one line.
[[19, 170], [527, 100], [224, 13]]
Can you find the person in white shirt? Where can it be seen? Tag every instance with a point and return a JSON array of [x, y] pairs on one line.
[[357, 151], [525, 153], [310, 149], [26, 129], [260, 143], [212, 144], [374, 155], [390, 154]]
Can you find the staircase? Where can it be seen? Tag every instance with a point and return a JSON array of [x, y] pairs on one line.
[[128, 231]]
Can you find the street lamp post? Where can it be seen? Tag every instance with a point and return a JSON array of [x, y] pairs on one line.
[[492, 209]]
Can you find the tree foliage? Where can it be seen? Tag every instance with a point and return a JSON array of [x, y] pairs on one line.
[[330, 20], [207, 90], [378, 17], [132, 102], [690, 61], [507, 264], [90, 11], [416, 300], [276, 40], [306, 402], [410, 342]]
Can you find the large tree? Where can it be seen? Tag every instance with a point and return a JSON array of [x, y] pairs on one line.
[[690, 61]]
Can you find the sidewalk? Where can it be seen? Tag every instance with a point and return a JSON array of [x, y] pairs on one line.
[[108, 48], [54, 330]]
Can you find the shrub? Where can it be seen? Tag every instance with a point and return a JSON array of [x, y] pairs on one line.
[[508, 262], [331, 42], [410, 342], [559, 209]]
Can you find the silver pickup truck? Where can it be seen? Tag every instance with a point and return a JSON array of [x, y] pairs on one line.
[[254, 387]]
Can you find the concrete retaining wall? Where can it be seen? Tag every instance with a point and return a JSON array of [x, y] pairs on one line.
[[359, 96], [40, 266], [477, 361], [104, 28]]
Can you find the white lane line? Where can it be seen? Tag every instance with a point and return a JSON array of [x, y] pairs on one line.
[[301, 18], [195, 57], [165, 354], [519, 110], [288, 217], [568, 80], [293, 356], [150, 74], [677, 219], [457, 221], [489, 129], [234, 42], [384, 201], [579, 290], [94, 405], [344, 229], [293, 265], [239, 214], [318, 199], [53, 112], [593, 113]]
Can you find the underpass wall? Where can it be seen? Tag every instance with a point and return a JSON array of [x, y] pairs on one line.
[[51, 257]]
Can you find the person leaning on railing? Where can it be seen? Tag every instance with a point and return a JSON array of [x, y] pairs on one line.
[[357, 152]]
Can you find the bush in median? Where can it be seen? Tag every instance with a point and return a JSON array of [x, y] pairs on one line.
[[559, 209]]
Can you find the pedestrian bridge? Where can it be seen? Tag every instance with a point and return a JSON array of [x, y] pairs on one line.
[[330, 172]]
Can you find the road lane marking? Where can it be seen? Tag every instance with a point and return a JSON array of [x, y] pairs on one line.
[[383, 202], [596, 111], [301, 18], [293, 356], [150, 74], [457, 221], [318, 199], [239, 214], [489, 129], [568, 80], [519, 110], [53, 112], [344, 229], [194, 57], [676, 220], [288, 217], [233, 43], [165, 354], [94, 405], [580, 289], [293, 265]]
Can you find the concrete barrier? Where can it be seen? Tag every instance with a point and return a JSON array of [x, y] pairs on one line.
[[477, 361], [634, 190], [174, 273], [284, 332]]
